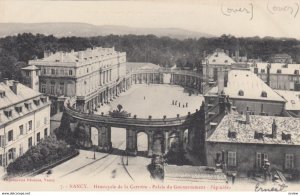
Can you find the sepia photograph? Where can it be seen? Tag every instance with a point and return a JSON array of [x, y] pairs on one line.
[[149, 95]]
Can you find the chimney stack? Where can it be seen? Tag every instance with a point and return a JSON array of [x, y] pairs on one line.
[[247, 117], [15, 87], [237, 55], [274, 129], [5, 80], [220, 81], [268, 73]]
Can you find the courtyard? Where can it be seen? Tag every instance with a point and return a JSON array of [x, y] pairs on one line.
[[156, 100]]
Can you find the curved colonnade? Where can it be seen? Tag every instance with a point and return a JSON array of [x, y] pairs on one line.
[[158, 131]]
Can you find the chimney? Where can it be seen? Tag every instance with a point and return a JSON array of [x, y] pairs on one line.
[[227, 52], [220, 81], [268, 73], [5, 80], [62, 56], [274, 129], [237, 55], [247, 117], [15, 87]]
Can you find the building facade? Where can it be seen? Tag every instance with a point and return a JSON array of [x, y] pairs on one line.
[[24, 120], [81, 74], [245, 143], [282, 76]]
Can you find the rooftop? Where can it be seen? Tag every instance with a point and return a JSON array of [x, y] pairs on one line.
[[31, 67], [133, 66], [260, 124], [219, 57], [292, 99], [243, 84], [276, 68], [73, 58], [10, 98]]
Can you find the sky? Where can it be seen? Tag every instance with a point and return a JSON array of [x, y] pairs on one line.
[[279, 18]]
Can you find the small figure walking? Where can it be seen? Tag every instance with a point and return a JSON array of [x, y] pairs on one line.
[[186, 104], [179, 104], [173, 102], [144, 97], [183, 106]]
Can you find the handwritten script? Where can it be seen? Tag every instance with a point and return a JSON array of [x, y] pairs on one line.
[[291, 8], [278, 188], [238, 10]]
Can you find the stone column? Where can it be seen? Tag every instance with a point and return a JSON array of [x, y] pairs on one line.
[[166, 142], [150, 143], [104, 139], [131, 142]]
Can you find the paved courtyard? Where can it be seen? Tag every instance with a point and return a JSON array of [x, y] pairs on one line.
[[155, 100]]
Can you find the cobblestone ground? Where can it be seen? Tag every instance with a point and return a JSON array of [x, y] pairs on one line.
[[156, 100]]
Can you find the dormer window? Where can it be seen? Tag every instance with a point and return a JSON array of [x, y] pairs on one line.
[[2, 94], [258, 135], [28, 105], [226, 61], [279, 71], [19, 109], [241, 93], [44, 99], [296, 72], [8, 113], [231, 134], [264, 94], [286, 137], [36, 102]]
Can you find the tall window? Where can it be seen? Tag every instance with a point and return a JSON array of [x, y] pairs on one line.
[[21, 127], [231, 159], [10, 135], [45, 132], [52, 71], [70, 72], [52, 87], [11, 153], [38, 137], [260, 159], [289, 161], [29, 125], [61, 88], [43, 88], [30, 142]]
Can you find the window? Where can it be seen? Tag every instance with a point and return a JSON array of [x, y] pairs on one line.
[[264, 94], [36, 102], [29, 125], [45, 132], [2, 140], [261, 159], [61, 88], [241, 93], [70, 72], [52, 87], [289, 161], [28, 106], [8, 113], [296, 72], [232, 159], [38, 137], [19, 109], [52, 71], [45, 120], [11, 153], [10, 135], [44, 71], [279, 71], [43, 88], [21, 128], [30, 142], [262, 71]]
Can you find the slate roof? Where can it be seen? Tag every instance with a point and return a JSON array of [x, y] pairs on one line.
[[261, 124], [287, 70]]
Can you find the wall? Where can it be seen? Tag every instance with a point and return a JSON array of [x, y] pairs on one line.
[[246, 154]]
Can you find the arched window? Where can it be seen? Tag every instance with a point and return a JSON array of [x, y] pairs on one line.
[[264, 94], [241, 93]]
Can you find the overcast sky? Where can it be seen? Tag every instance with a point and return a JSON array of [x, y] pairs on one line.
[[214, 17]]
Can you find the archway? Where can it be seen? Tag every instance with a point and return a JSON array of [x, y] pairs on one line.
[[142, 143], [173, 141], [94, 136], [158, 140], [186, 139], [118, 138]]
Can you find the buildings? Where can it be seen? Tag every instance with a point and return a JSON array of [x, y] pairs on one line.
[[282, 58], [292, 105], [82, 74], [217, 61], [246, 142], [281, 76], [24, 119]]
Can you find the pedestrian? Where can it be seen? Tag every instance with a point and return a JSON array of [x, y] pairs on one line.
[[179, 104], [183, 105], [186, 104], [233, 177], [144, 97], [173, 102]]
